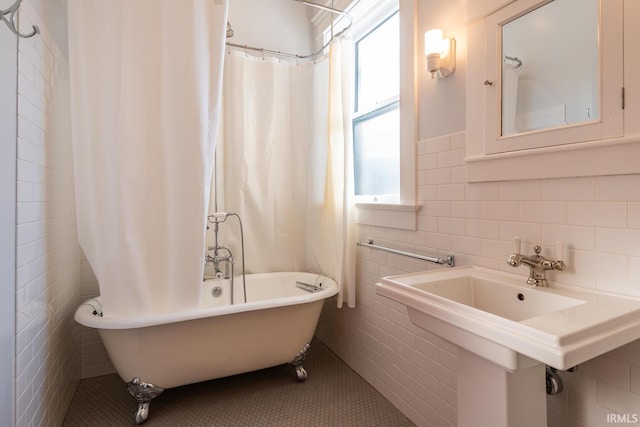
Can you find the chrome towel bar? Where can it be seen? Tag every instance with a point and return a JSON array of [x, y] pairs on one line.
[[449, 261]]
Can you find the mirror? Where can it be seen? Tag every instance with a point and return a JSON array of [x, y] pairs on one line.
[[551, 67]]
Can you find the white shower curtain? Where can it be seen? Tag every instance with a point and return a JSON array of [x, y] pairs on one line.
[[510, 77], [261, 158], [337, 215], [284, 166], [145, 87]]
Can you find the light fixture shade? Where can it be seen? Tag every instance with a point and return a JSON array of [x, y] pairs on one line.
[[440, 53], [433, 42]]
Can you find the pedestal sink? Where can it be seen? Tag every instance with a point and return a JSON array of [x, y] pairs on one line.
[[507, 332]]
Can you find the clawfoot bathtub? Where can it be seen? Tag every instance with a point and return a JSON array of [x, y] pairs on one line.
[[218, 339]]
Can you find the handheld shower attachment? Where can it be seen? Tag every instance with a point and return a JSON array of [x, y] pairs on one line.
[[218, 217]]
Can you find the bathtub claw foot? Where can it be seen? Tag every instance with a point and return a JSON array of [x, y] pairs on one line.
[[301, 373], [142, 413], [143, 393]]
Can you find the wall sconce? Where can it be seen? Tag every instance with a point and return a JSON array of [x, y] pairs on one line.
[[441, 54]]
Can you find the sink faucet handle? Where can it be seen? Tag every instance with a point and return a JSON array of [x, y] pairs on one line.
[[517, 242], [559, 250]]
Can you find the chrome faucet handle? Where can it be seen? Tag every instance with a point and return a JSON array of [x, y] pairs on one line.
[[558, 264], [515, 257], [514, 260]]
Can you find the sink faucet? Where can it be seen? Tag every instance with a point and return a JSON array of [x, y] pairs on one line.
[[538, 264]]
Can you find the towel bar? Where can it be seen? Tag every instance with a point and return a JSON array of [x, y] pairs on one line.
[[450, 261]]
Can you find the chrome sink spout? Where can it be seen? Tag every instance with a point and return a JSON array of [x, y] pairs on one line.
[[538, 266]]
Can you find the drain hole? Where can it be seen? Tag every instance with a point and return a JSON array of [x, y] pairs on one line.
[[521, 297], [216, 292]]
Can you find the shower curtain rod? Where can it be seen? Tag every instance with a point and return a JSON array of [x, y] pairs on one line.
[[518, 61], [294, 55]]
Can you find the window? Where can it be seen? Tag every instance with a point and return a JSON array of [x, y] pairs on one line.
[[376, 132], [385, 119]]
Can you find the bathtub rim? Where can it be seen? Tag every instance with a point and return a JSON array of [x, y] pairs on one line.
[[84, 312]]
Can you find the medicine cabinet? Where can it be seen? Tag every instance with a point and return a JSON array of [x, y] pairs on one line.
[[545, 89]]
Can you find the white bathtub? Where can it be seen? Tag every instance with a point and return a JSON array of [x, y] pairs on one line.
[[216, 340]]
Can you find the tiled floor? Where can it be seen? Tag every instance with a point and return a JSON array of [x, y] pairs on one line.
[[333, 395]]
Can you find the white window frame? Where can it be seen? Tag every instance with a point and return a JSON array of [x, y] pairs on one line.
[[362, 115], [367, 14]]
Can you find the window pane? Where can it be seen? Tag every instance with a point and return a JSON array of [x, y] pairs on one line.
[[377, 154], [378, 65]]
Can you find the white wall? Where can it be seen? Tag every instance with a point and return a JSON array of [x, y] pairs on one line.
[[280, 25], [442, 103], [47, 252], [8, 129], [53, 14]]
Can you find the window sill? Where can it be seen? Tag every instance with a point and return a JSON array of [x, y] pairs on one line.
[[402, 217]]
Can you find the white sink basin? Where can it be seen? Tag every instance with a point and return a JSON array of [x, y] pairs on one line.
[[495, 315], [498, 298]]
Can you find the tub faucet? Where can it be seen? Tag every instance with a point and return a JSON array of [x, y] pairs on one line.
[[538, 264], [217, 259]]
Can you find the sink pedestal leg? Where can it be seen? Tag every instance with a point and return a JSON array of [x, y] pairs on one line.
[[489, 396]]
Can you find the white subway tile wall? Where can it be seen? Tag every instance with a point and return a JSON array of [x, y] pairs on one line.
[[47, 252], [598, 219]]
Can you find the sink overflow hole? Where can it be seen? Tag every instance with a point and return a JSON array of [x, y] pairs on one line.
[[521, 297]]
